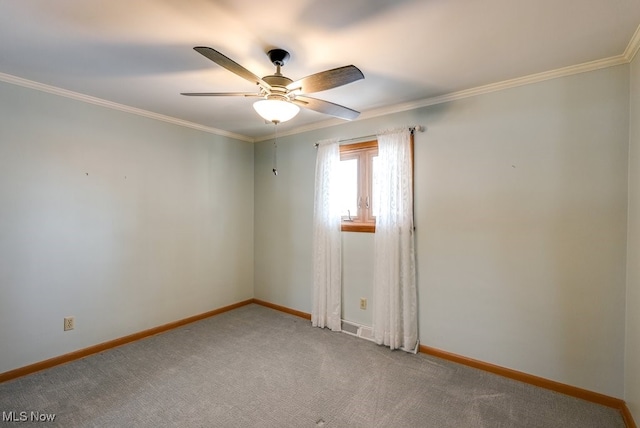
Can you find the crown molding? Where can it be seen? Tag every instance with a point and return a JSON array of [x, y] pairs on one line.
[[499, 86], [19, 81], [480, 90], [304, 128], [633, 46]]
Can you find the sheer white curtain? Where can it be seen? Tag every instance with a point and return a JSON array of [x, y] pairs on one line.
[[327, 259], [395, 315]]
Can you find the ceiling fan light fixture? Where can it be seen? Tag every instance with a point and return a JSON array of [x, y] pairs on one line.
[[276, 110]]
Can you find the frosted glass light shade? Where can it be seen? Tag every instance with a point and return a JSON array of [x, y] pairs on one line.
[[276, 110]]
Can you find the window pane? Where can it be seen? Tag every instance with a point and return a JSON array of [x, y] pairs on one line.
[[374, 186], [349, 187]]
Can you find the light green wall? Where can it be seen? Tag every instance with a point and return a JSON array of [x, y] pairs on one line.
[[521, 228], [357, 277], [520, 210], [124, 222], [632, 355]]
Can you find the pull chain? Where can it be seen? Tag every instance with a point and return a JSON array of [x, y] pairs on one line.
[[275, 150]]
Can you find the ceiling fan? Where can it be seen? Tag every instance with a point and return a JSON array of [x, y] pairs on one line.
[[282, 96]]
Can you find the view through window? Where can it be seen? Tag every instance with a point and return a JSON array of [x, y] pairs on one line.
[[357, 181]]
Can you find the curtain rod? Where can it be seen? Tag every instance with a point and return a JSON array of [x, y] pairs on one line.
[[413, 129]]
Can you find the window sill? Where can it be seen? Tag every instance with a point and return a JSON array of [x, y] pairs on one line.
[[366, 228]]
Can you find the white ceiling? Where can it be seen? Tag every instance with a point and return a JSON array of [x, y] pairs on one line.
[[138, 53]]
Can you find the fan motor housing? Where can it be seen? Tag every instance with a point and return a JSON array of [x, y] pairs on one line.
[[277, 80]]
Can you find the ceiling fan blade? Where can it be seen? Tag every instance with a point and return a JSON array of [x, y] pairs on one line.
[[220, 94], [327, 79], [326, 107], [231, 65]]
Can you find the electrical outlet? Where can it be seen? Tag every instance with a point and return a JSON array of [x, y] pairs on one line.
[[363, 303], [69, 323]]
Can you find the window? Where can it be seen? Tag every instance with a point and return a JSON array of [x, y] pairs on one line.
[[357, 178]]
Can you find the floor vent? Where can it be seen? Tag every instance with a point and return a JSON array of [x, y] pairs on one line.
[[347, 327], [358, 330]]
